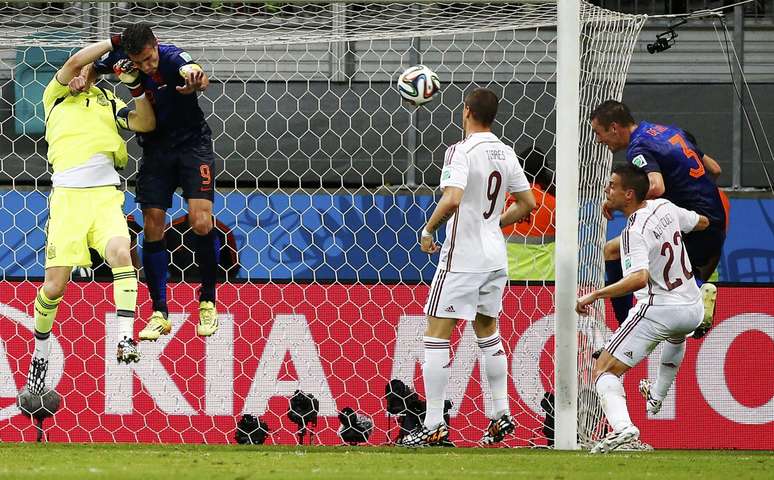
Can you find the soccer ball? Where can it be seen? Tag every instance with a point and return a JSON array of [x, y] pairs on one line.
[[418, 85]]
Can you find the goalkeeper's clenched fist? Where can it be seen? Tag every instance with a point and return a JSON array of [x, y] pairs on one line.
[[129, 75]]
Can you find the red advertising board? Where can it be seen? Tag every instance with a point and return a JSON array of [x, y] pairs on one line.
[[343, 343]]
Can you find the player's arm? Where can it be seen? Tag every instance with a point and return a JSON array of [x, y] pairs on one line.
[[630, 283], [711, 166], [80, 59], [524, 203], [612, 249], [690, 221], [142, 119], [656, 188], [446, 208]]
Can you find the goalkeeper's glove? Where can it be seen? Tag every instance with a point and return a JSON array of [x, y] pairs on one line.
[[128, 74]]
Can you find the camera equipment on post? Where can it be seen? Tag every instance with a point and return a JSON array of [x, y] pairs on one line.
[[355, 428], [251, 430], [303, 411]]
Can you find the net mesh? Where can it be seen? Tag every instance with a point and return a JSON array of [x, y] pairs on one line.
[[325, 178]]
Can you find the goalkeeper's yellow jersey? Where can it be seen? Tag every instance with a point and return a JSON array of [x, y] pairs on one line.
[[80, 126]]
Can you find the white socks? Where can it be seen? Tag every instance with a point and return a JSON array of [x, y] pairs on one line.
[[671, 358], [435, 371], [613, 400], [495, 366], [41, 345]]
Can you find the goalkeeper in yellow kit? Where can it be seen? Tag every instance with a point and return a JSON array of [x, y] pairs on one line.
[[85, 206]]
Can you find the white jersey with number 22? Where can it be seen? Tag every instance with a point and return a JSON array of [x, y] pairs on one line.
[[653, 240]]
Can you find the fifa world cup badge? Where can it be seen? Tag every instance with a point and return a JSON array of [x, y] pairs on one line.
[[50, 251], [102, 100]]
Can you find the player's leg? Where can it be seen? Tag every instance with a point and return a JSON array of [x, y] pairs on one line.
[[452, 297], [109, 236], [631, 342], [621, 305], [494, 361], [200, 218], [681, 321], [66, 246], [197, 179], [435, 373], [156, 182], [672, 353], [46, 305], [155, 261], [704, 250]]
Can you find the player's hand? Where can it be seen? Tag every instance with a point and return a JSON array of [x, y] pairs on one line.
[[428, 245], [606, 211], [583, 305], [78, 85], [128, 74], [194, 79]]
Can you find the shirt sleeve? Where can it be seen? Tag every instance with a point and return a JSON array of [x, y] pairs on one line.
[[687, 219], [634, 252], [53, 90], [455, 168], [104, 65], [643, 157], [180, 57], [517, 181]]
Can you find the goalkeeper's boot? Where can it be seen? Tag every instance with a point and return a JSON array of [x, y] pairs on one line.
[[426, 437], [208, 319], [615, 439], [709, 294], [498, 428], [653, 406], [127, 351], [157, 326], [36, 377]]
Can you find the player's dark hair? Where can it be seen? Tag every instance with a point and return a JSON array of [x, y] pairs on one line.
[[482, 103], [537, 169], [136, 37], [612, 111], [633, 178]]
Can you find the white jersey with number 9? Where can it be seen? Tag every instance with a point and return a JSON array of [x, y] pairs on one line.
[[484, 167]]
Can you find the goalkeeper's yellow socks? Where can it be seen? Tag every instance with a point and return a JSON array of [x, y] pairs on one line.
[[45, 312], [125, 297]]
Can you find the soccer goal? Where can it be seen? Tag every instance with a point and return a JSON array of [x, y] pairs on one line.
[[325, 179]]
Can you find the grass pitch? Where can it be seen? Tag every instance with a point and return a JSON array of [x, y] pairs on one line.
[[190, 462]]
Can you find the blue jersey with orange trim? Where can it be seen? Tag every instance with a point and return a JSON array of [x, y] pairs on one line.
[[178, 117], [657, 148]]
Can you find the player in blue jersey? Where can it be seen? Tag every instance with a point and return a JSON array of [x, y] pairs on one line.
[[178, 153], [677, 171]]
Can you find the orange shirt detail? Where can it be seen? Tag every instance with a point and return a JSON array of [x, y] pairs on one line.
[[540, 222]]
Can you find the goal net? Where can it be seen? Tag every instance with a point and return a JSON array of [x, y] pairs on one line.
[[324, 179]]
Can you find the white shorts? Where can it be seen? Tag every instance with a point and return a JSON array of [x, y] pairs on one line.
[[648, 325], [460, 295]]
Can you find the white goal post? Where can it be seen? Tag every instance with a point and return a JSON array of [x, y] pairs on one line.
[[324, 177]]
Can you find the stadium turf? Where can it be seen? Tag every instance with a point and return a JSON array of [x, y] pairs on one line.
[[146, 462]]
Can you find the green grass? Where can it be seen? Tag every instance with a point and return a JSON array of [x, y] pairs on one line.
[[190, 462]]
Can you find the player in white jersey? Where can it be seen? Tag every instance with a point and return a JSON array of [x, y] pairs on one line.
[[669, 304], [472, 269]]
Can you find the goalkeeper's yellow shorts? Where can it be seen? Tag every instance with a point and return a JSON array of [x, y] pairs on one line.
[[82, 218]]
